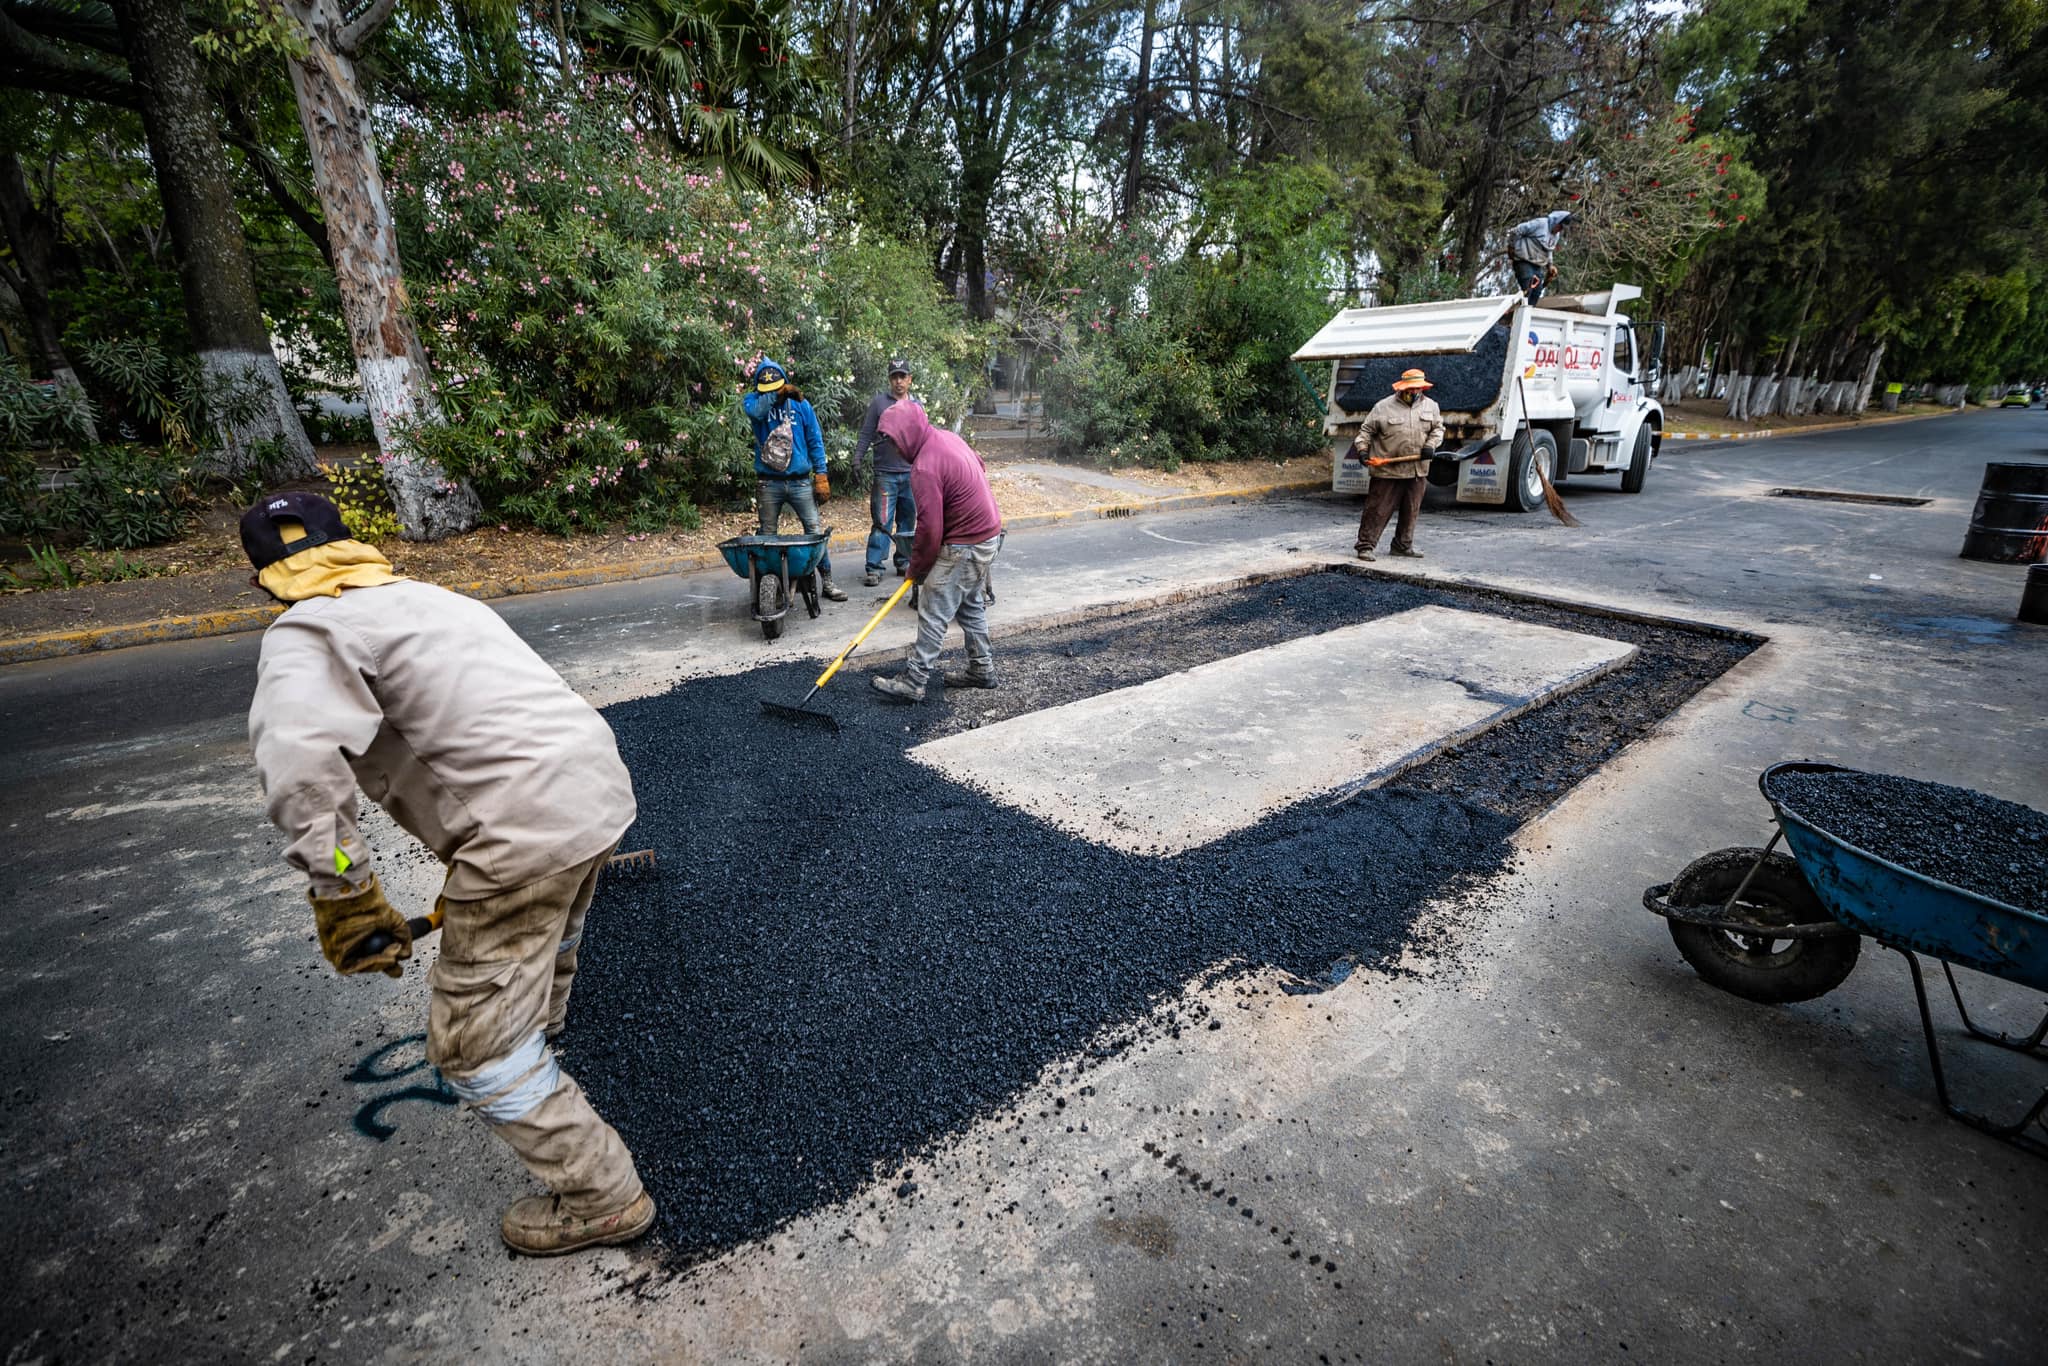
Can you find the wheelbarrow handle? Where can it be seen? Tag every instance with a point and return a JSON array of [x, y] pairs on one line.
[[873, 622]]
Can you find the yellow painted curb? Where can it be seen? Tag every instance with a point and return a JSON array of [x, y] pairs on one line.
[[56, 644]]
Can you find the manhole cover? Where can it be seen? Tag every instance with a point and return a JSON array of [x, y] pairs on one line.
[[1837, 496]]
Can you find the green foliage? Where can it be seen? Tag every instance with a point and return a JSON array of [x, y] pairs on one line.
[[37, 414], [124, 497], [592, 304], [1187, 360]]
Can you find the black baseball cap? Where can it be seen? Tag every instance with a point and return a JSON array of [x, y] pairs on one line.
[[265, 544], [899, 366]]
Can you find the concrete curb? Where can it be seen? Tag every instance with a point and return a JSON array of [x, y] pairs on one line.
[[1804, 431], [57, 644]]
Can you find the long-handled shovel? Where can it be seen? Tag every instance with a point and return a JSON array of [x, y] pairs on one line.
[[801, 712]]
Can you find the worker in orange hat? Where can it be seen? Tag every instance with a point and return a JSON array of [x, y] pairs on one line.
[[1397, 440]]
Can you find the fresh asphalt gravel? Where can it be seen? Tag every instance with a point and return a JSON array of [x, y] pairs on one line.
[[1967, 839], [842, 957]]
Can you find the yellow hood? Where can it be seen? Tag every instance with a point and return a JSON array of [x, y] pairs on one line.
[[325, 570]]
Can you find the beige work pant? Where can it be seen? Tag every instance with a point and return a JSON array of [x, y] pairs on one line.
[[506, 965]]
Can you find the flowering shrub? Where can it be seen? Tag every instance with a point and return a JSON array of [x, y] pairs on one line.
[[590, 306]]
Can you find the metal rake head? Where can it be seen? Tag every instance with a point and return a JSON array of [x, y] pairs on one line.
[[625, 863]]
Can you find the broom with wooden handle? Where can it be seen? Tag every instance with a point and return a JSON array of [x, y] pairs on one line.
[[1551, 499]]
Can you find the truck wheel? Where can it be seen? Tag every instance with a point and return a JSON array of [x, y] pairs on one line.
[[1638, 462], [1755, 966], [1534, 450]]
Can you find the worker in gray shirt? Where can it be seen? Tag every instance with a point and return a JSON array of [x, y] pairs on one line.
[[890, 506], [1530, 247]]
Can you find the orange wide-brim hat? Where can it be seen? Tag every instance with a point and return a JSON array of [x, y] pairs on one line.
[[1412, 379]]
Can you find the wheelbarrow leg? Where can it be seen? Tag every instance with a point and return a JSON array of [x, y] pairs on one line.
[[2030, 1044], [2014, 1133]]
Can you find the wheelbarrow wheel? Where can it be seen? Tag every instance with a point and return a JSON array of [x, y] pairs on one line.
[[1757, 967], [767, 603]]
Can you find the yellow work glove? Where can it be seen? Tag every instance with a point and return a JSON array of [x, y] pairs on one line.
[[345, 922]]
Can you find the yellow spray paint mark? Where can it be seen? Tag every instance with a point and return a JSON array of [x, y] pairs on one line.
[[341, 862]]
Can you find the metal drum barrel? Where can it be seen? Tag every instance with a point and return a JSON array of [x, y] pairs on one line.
[[2034, 597], [2010, 524]]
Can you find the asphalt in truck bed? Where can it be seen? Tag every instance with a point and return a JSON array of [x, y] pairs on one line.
[[842, 958]]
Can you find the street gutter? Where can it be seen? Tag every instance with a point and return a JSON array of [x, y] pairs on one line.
[[156, 631]]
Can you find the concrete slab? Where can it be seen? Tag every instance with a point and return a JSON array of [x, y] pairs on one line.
[[1178, 762]]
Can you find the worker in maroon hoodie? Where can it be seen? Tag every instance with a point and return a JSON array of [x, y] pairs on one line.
[[958, 530]]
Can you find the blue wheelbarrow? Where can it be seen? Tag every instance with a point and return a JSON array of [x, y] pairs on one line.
[[1773, 928], [778, 570]]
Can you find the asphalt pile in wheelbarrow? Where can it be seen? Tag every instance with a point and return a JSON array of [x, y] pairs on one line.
[[1967, 839], [843, 958]]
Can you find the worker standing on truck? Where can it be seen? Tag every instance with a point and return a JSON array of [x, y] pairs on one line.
[[1530, 248], [428, 702], [1398, 439], [959, 530]]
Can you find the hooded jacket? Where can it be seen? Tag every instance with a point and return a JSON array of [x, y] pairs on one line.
[[947, 481], [1535, 240], [807, 445]]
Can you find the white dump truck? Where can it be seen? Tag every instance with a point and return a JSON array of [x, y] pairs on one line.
[[1519, 384]]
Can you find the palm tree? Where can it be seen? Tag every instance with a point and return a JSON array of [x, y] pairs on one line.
[[719, 78]]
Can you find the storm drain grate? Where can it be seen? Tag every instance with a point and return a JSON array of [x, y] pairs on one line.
[[1837, 496]]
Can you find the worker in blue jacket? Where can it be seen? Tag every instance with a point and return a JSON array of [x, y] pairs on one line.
[[789, 458]]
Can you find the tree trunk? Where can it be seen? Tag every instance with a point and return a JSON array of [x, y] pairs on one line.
[[263, 432], [393, 367], [847, 92], [1141, 109], [30, 283], [1479, 208], [1869, 376]]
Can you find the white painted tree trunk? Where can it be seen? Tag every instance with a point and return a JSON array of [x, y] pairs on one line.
[[393, 367], [1869, 377]]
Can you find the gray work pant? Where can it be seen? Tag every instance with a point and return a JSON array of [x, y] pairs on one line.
[[953, 591]]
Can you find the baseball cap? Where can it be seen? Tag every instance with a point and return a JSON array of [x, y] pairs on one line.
[[899, 366], [768, 377], [263, 538]]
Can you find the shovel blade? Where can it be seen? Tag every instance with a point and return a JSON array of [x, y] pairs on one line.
[[803, 716]]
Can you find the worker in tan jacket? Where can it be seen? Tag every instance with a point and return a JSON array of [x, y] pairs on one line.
[[430, 704], [1398, 439]]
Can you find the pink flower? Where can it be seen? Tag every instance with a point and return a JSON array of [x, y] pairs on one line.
[[517, 326], [643, 464], [632, 446]]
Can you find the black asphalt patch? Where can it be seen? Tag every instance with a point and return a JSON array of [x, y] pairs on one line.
[[844, 957], [1967, 839]]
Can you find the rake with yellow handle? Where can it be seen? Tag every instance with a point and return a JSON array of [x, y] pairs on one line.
[[800, 712]]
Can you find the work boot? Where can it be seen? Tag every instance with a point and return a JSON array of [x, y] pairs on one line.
[[1409, 554], [899, 688], [1367, 555], [538, 1226], [831, 591], [871, 578], [978, 675]]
